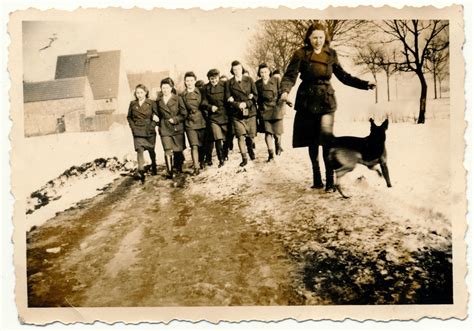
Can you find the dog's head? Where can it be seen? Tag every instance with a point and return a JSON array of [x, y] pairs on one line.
[[378, 131]]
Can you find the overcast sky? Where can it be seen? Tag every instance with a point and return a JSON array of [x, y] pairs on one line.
[[148, 41]]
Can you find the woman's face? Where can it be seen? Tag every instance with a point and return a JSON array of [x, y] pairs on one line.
[[190, 82], [317, 39], [214, 80], [166, 89], [237, 70], [265, 73], [140, 94]]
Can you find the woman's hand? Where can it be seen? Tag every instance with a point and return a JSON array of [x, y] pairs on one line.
[[231, 99], [250, 96], [284, 96], [214, 109], [171, 121], [372, 85], [156, 118], [242, 105]]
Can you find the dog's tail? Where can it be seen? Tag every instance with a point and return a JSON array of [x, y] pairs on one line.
[[328, 139]]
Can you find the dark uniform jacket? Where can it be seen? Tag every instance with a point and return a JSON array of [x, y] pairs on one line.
[[240, 91], [174, 109], [268, 98], [192, 101], [140, 118], [215, 96], [315, 94]]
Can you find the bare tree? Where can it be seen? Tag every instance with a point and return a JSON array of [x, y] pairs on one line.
[[275, 41], [416, 37], [388, 63], [369, 56], [437, 58]]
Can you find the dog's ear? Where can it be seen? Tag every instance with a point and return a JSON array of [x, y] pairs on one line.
[[385, 124], [371, 120]]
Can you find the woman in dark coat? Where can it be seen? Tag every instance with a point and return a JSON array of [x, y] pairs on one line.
[[315, 101], [241, 94], [172, 112], [270, 112], [141, 117], [195, 122], [214, 104]]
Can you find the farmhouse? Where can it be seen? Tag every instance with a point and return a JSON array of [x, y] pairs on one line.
[[151, 79], [57, 105]]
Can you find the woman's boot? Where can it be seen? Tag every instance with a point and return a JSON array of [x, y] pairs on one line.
[[329, 170], [153, 162], [196, 160], [250, 147], [220, 153], [245, 160], [169, 165], [271, 155]]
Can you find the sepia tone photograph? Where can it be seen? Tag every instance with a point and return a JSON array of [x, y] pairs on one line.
[[282, 159]]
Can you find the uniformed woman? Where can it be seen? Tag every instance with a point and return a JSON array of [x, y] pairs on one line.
[[214, 103], [242, 93], [171, 112], [272, 115], [142, 119], [195, 122], [315, 101]]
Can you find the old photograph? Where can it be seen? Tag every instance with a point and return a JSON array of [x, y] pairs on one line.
[[284, 160]]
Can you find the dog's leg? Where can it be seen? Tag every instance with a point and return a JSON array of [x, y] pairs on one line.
[[383, 166], [339, 173]]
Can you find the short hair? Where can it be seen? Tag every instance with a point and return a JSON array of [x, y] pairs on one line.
[[261, 66], [190, 74], [236, 63], [313, 27], [276, 72], [212, 73], [142, 87], [170, 82]]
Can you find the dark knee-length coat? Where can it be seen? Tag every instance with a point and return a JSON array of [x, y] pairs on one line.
[[267, 99], [175, 110], [215, 96], [241, 91], [315, 95]]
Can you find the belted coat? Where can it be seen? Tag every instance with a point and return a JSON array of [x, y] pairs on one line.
[[268, 98], [215, 96], [241, 91], [195, 119], [140, 118], [315, 93], [173, 109]]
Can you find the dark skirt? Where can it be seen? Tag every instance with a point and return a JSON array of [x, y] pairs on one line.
[[245, 127], [307, 129], [145, 143], [175, 143], [273, 126], [219, 131], [196, 137]]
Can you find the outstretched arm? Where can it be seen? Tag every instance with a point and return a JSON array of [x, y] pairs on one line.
[[346, 78]]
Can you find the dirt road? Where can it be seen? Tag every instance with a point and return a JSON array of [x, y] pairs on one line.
[[261, 242]]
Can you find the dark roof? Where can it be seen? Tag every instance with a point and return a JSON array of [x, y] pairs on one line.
[[101, 68], [54, 89], [148, 78]]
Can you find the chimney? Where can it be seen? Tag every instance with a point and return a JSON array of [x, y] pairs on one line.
[[92, 53]]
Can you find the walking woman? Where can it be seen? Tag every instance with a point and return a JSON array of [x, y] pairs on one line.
[[171, 112], [272, 115], [214, 104], [315, 101], [241, 94], [195, 122], [140, 118]]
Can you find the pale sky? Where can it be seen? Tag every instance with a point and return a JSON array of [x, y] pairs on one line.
[[148, 40]]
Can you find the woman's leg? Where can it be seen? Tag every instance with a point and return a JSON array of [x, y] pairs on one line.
[[153, 161], [195, 157], [268, 141], [250, 146], [141, 164], [278, 148], [169, 162], [327, 124], [243, 150], [313, 155], [220, 152]]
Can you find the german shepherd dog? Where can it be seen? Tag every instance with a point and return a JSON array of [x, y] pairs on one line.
[[346, 152]]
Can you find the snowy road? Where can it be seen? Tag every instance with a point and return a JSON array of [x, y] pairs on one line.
[[230, 237]]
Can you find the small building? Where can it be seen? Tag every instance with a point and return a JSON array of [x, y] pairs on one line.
[[108, 81], [56, 106]]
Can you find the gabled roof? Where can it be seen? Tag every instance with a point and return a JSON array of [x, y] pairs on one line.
[[101, 68], [54, 89], [148, 78]]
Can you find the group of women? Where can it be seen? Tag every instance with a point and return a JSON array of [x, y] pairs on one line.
[[222, 109]]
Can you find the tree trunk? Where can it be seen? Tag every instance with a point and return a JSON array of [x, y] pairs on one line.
[[434, 84], [424, 90], [439, 85], [388, 86], [376, 88]]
